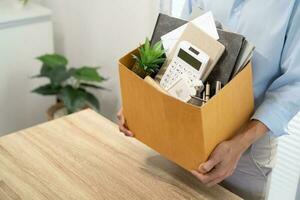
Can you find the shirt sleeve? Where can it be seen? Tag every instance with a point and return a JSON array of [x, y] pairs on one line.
[[282, 99], [188, 7]]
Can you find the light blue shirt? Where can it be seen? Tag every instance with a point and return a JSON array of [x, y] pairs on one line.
[[273, 26]]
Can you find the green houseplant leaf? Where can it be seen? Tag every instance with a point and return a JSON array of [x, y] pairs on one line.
[[69, 85], [73, 99], [47, 90], [59, 75], [53, 60], [92, 101], [88, 74], [54, 68], [99, 87], [77, 99]]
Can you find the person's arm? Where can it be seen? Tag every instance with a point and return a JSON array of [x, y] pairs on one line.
[[223, 161], [282, 99], [281, 103]]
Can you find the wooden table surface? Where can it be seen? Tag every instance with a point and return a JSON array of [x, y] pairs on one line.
[[84, 157]]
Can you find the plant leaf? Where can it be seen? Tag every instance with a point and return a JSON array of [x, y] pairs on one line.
[[92, 101], [159, 61], [59, 75], [147, 45], [76, 99], [88, 74], [47, 90], [157, 46], [53, 60], [136, 58], [93, 86], [46, 71], [150, 57], [56, 75], [73, 99]]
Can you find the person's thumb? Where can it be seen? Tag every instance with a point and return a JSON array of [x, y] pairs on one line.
[[208, 165]]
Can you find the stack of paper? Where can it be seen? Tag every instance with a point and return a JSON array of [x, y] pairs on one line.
[[205, 22]]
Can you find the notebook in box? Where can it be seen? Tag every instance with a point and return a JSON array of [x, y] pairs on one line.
[[164, 25], [245, 56], [203, 41], [225, 66]]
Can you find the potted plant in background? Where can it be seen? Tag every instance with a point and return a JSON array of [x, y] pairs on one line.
[[70, 86], [149, 60]]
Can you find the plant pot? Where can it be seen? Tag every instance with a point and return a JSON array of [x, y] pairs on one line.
[[139, 71], [56, 111], [59, 110]]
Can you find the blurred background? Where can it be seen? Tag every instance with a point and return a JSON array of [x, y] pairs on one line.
[[93, 33]]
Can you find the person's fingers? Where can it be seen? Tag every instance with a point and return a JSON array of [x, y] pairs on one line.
[[209, 177], [128, 132], [208, 165], [220, 179], [205, 178], [125, 131], [122, 124], [198, 175]]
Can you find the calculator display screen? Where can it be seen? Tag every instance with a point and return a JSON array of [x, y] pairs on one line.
[[189, 59]]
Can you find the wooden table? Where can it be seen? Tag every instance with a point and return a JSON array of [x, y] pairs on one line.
[[84, 157]]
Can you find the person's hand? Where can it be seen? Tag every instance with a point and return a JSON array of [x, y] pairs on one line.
[[122, 124], [221, 164], [225, 157]]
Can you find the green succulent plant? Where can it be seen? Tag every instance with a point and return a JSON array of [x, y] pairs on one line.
[[70, 86], [149, 60]]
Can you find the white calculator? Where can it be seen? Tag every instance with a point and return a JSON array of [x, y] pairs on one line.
[[188, 60]]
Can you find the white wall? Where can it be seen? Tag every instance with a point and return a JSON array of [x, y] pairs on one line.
[[98, 32], [24, 35]]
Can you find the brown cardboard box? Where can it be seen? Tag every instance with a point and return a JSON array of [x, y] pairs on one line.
[[182, 132]]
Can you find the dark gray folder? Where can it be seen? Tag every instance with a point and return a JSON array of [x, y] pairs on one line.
[[164, 25], [223, 70]]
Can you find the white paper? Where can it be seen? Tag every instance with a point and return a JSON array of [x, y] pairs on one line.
[[205, 22]]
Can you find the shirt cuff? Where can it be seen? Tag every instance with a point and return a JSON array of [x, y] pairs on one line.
[[273, 116]]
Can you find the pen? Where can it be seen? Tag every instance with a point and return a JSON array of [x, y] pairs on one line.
[[218, 86], [207, 92]]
